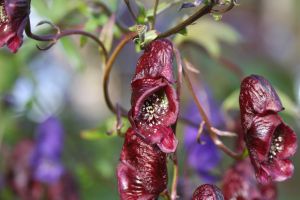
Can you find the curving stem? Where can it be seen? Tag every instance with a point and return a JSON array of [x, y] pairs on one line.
[[52, 38], [212, 133], [107, 70]]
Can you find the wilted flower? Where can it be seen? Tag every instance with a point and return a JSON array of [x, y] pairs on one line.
[[269, 140], [239, 183], [205, 156], [142, 171], [207, 191], [154, 100], [14, 15], [47, 153]]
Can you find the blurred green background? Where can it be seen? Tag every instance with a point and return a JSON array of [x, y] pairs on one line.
[[258, 37]]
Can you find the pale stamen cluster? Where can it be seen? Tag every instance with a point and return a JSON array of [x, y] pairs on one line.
[[153, 108], [276, 147], [3, 15]]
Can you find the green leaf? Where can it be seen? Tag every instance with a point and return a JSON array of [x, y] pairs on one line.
[[106, 130], [210, 34], [94, 135]]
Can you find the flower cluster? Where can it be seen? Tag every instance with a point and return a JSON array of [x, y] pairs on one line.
[[142, 172], [269, 140], [14, 16]]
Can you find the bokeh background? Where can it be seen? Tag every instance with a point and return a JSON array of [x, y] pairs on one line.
[[256, 37]]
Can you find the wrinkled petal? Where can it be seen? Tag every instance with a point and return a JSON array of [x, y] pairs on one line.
[[142, 171], [269, 140], [208, 192], [156, 62], [257, 97]]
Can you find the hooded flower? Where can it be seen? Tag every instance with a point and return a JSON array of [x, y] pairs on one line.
[[207, 191], [239, 183], [14, 15], [47, 153], [142, 171], [154, 100], [269, 140], [206, 156]]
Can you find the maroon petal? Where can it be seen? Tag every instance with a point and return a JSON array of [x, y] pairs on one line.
[[154, 110], [208, 192], [269, 140], [156, 62], [289, 141], [239, 183], [142, 171], [168, 142], [279, 170], [257, 97], [15, 14]]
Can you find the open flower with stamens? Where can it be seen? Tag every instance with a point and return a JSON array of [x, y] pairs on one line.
[[142, 171], [154, 100], [207, 191], [269, 140], [239, 183], [14, 15]]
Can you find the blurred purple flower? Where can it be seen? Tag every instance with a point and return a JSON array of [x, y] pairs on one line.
[[203, 157], [191, 4], [47, 153]]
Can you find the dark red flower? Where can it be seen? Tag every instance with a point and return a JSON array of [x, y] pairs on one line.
[[19, 176], [154, 100], [239, 183], [207, 191], [63, 189], [14, 15], [269, 140], [142, 171]]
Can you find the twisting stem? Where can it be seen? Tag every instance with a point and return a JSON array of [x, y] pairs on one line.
[[152, 25], [130, 10], [108, 67], [202, 11], [60, 34], [210, 128]]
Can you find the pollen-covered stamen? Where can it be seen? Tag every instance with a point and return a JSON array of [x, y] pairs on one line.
[[276, 147], [3, 14], [154, 107]]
